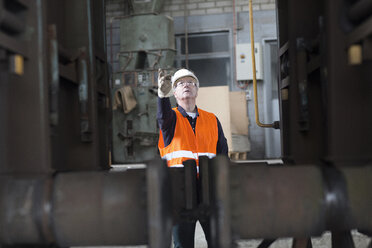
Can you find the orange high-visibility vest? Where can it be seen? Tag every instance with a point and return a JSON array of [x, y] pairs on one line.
[[185, 144]]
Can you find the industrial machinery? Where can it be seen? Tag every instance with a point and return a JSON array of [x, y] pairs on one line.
[[55, 133], [149, 46], [325, 105], [325, 63], [55, 136]]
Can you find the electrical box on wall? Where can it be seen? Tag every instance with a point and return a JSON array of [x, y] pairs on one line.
[[244, 61]]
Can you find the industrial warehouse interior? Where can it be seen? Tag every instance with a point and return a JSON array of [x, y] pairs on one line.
[[288, 81]]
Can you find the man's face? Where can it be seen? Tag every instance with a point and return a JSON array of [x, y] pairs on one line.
[[185, 88]]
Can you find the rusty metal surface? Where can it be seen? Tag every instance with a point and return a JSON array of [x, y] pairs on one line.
[[300, 145], [190, 184], [189, 192], [134, 207], [88, 208], [257, 201], [25, 210], [350, 142], [81, 140], [159, 205], [220, 223], [338, 101], [204, 171], [41, 115], [26, 117], [328, 120], [177, 177], [358, 180], [184, 191], [110, 208], [281, 201]]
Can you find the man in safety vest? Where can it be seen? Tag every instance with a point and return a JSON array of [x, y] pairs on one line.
[[187, 132]]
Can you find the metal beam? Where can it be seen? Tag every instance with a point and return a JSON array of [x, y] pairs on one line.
[[287, 201], [112, 208]]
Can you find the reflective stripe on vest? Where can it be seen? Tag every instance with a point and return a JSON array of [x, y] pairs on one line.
[[187, 154]]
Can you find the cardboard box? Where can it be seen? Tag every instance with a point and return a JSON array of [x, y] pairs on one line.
[[216, 100]]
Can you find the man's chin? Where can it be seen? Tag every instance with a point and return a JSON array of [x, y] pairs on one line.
[[187, 97]]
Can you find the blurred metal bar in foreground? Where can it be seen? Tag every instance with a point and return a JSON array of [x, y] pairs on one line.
[[254, 201], [88, 208]]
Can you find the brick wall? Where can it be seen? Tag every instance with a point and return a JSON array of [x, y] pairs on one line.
[[204, 7], [176, 8]]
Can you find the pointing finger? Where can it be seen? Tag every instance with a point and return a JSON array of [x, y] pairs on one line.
[[160, 73]]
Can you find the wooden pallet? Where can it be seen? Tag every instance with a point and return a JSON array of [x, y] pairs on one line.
[[238, 155]]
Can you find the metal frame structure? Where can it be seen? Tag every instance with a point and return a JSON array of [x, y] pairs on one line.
[[325, 100], [55, 137]]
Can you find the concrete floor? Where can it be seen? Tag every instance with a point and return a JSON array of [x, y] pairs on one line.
[[360, 241]]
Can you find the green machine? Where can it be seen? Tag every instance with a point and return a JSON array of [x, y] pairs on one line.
[[146, 44]]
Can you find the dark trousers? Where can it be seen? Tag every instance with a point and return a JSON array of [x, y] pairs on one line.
[[184, 234]]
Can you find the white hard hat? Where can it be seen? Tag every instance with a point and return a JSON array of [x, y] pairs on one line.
[[184, 73]]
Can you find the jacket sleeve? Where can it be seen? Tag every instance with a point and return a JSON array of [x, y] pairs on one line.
[[166, 118], [222, 147]]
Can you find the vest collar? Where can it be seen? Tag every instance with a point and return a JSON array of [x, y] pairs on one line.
[[183, 112]]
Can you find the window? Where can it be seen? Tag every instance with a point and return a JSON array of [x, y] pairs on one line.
[[209, 57]]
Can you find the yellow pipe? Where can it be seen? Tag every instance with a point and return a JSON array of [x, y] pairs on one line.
[[254, 70]]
